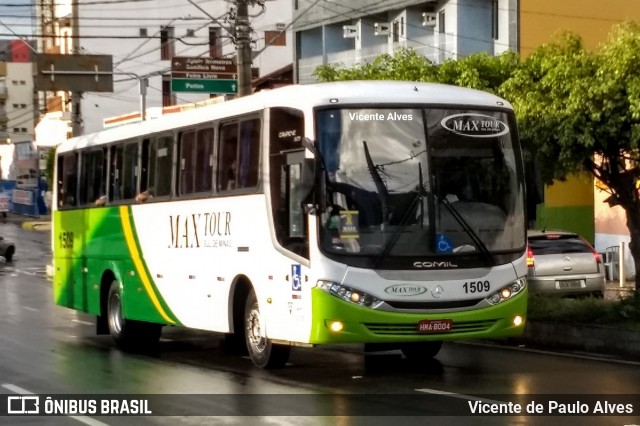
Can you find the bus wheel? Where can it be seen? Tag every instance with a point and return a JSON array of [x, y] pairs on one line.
[[262, 351], [9, 254], [129, 334], [421, 350]]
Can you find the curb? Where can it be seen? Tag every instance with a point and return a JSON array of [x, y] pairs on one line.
[[36, 226]]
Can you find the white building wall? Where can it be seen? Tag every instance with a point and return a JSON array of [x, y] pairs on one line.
[[20, 101], [504, 19], [140, 56], [467, 30]]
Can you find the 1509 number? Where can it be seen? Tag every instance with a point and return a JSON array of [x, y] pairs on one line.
[[476, 286], [66, 240]]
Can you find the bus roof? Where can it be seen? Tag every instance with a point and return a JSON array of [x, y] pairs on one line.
[[302, 97]]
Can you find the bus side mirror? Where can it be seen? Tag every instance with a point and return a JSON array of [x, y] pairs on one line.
[[307, 182], [308, 144]]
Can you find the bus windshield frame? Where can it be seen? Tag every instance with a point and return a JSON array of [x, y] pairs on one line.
[[407, 185]]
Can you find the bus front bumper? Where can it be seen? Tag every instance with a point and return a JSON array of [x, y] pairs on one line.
[[338, 321]]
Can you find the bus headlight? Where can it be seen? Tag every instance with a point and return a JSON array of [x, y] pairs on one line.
[[507, 292], [349, 294]]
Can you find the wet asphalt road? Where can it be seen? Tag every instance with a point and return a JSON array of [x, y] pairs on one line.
[[46, 349]]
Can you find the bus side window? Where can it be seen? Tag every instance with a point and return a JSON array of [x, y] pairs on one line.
[[249, 158], [146, 161], [186, 169], [203, 163], [67, 180], [160, 170], [228, 157], [115, 173], [130, 171]]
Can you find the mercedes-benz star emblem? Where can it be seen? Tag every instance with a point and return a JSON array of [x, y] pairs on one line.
[[437, 291]]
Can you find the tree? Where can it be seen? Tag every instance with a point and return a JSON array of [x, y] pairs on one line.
[[580, 110], [479, 71]]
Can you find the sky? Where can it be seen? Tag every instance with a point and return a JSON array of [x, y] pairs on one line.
[[17, 15]]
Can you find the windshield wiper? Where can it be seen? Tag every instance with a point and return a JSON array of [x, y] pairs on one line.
[[470, 232], [382, 191], [403, 222]]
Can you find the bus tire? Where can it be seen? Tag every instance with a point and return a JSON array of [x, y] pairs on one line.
[[262, 351], [8, 256], [417, 351], [129, 334]]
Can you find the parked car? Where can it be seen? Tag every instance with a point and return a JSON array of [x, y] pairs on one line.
[[564, 263], [7, 249]]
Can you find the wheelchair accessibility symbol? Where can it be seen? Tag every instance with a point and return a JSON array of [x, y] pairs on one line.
[[443, 244]]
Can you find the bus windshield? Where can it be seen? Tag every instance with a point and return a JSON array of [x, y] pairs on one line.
[[420, 183]]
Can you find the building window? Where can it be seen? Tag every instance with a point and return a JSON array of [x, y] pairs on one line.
[[215, 42], [275, 38], [144, 32], [23, 129], [441, 28], [168, 97], [190, 33], [167, 43], [494, 20], [23, 83], [396, 31]]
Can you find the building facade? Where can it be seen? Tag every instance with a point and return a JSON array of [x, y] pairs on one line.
[[143, 37], [349, 33], [18, 101], [578, 204]]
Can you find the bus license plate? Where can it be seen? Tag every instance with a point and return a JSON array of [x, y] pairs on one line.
[[435, 326]]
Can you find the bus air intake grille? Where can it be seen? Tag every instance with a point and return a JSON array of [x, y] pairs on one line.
[[410, 329], [434, 305]]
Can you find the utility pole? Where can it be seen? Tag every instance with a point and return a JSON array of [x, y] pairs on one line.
[[243, 48], [76, 97]]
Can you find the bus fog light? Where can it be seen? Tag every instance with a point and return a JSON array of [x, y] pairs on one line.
[[336, 326], [518, 320]]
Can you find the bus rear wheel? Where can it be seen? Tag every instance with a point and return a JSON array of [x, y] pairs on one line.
[[129, 334], [417, 351], [262, 351]]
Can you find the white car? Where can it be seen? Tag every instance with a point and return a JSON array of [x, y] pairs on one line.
[[7, 249]]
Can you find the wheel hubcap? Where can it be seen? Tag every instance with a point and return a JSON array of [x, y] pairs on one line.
[[256, 341], [115, 319]]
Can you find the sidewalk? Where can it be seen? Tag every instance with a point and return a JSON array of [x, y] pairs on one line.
[[41, 223], [613, 290]]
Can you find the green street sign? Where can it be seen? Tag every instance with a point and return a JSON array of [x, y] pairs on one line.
[[204, 85]]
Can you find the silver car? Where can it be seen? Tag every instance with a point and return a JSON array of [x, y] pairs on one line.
[[563, 263]]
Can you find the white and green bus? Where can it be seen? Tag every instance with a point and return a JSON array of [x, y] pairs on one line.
[[383, 213]]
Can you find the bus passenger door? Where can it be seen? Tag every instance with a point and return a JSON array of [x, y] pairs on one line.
[[296, 184]]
